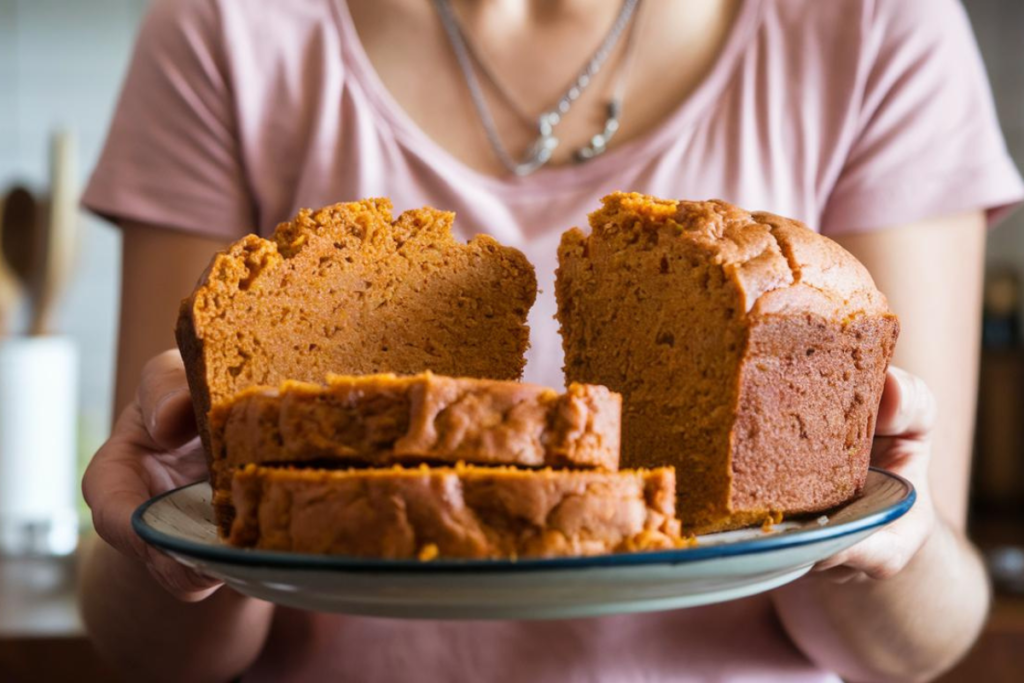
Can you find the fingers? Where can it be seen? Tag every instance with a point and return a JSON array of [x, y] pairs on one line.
[[907, 408], [115, 485], [165, 401], [906, 416], [114, 490], [880, 556], [908, 458], [153, 448], [182, 582], [885, 553]]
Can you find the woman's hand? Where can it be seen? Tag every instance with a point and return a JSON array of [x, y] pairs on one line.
[[894, 618], [903, 446], [154, 448]]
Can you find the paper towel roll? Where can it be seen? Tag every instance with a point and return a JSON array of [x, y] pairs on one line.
[[38, 445]]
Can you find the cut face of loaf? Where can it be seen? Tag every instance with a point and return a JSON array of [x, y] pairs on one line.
[[454, 512], [750, 352], [346, 289], [381, 420]]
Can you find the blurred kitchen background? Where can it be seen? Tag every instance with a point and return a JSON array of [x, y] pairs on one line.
[[61, 64]]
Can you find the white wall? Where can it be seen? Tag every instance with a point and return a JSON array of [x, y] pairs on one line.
[[61, 63]]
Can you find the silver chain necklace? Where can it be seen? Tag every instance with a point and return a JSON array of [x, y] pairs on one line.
[[613, 111], [539, 153]]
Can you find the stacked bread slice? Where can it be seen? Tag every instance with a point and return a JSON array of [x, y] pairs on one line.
[[463, 463]]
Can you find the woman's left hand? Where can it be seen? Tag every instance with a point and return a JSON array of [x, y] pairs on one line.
[[902, 445]]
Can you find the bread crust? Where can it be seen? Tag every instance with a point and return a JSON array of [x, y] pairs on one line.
[[454, 512]]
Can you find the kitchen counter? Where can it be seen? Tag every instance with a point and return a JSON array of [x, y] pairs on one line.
[[37, 598], [41, 634]]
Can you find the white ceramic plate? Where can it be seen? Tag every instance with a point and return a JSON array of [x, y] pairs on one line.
[[720, 567]]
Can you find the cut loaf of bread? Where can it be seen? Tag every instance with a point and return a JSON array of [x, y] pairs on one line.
[[750, 352], [454, 512], [349, 290]]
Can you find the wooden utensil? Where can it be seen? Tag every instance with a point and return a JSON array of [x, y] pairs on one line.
[[18, 218], [58, 233], [10, 288]]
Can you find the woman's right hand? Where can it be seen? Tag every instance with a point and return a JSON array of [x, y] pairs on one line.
[[154, 448]]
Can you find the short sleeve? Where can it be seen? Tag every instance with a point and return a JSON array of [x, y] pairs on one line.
[[928, 141], [172, 156]]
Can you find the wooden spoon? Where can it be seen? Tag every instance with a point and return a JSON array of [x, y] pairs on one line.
[[18, 218], [58, 233]]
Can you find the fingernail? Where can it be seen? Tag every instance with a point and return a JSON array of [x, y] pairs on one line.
[[902, 377], [905, 382], [154, 417]]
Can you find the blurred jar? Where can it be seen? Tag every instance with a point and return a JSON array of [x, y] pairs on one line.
[[38, 446]]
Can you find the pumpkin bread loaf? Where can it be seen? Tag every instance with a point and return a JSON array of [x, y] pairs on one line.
[[347, 289], [381, 420], [750, 352], [454, 512]]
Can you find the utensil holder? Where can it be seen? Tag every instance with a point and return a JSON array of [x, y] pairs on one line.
[[38, 446]]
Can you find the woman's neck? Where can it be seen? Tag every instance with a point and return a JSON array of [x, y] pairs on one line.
[[536, 48], [534, 13]]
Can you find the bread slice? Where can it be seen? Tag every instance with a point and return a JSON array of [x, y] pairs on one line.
[[454, 512], [380, 420], [347, 289], [750, 352]]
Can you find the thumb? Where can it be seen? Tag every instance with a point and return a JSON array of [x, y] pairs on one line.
[[165, 401], [907, 408], [172, 422]]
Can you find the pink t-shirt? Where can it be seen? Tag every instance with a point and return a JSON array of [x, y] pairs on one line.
[[848, 114]]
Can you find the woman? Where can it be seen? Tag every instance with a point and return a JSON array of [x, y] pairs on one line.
[[868, 119]]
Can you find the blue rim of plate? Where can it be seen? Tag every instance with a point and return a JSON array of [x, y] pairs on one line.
[[302, 561]]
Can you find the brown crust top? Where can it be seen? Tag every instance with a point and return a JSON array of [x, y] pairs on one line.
[[386, 419], [780, 265], [456, 512]]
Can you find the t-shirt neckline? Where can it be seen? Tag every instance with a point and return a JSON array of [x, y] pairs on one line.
[[546, 180]]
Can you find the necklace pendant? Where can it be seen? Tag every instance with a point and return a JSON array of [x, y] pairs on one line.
[[599, 143], [542, 149], [597, 146], [538, 154]]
